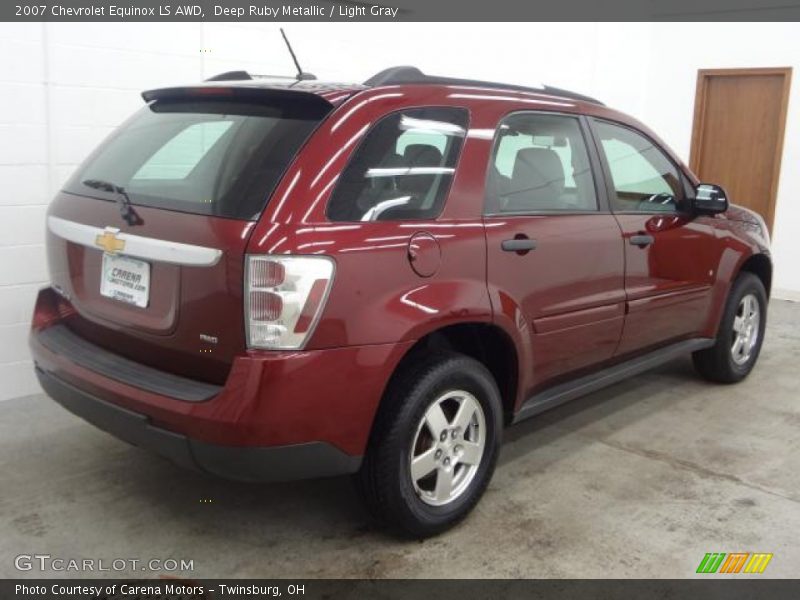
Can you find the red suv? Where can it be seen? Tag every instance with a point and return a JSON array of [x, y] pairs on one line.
[[266, 279]]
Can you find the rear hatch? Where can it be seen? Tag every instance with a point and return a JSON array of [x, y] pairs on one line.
[[147, 239]]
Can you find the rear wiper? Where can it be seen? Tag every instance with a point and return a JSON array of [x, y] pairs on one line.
[[126, 210]]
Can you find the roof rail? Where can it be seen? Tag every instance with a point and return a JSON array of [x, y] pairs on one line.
[[412, 75]]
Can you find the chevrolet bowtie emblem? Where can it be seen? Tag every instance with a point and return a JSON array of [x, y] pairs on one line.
[[109, 241]]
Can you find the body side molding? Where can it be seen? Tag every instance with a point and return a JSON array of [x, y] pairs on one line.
[[559, 394]]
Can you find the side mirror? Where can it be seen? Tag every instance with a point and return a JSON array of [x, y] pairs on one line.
[[709, 199]]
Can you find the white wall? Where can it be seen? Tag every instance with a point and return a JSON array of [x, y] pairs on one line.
[[63, 87], [672, 76]]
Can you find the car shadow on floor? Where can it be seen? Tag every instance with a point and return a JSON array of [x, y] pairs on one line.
[[611, 404], [256, 513]]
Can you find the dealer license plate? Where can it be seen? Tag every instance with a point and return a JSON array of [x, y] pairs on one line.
[[125, 279]]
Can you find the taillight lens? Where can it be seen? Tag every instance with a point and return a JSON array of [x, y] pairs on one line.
[[265, 306], [266, 273], [284, 298]]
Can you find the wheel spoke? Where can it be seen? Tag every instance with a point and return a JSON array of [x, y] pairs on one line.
[[465, 413], [423, 464], [739, 324], [444, 484], [436, 419], [738, 345], [471, 453], [752, 307]]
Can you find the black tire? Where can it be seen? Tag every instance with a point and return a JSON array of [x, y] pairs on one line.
[[384, 481], [717, 363]]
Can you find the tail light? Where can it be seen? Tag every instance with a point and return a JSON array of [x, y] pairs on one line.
[[284, 298]]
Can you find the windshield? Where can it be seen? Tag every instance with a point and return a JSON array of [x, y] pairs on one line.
[[210, 157]]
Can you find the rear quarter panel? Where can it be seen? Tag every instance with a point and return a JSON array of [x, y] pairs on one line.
[[377, 297]]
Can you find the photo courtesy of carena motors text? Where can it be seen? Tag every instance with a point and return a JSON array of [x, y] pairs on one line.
[[320, 298]]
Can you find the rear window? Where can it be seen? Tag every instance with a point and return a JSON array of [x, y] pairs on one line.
[[209, 157]]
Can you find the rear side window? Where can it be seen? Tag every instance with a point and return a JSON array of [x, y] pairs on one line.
[[644, 179], [209, 157], [540, 163], [403, 168]]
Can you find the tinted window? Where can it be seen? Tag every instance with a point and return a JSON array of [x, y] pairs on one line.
[[540, 163], [644, 178], [206, 157], [180, 155], [403, 168]]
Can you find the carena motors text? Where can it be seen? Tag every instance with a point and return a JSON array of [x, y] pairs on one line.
[[170, 589]]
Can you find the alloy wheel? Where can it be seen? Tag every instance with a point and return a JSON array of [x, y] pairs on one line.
[[448, 447], [746, 329]]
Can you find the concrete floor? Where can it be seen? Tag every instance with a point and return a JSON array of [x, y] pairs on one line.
[[639, 480]]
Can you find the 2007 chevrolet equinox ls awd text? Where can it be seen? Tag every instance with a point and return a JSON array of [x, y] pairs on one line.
[[266, 279]]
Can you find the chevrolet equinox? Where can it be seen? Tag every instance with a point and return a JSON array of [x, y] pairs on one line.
[[266, 279]]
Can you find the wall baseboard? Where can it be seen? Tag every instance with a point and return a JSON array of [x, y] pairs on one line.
[[791, 295]]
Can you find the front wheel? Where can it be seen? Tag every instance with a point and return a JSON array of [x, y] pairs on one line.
[[434, 445], [740, 334]]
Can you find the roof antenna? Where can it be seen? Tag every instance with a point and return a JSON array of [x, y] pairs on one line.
[[301, 75]]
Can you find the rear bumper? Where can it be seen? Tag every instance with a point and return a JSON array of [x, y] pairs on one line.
[[243, 463], [279, 416]]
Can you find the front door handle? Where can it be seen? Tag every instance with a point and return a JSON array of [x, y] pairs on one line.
[[518, 245], [641, 240]]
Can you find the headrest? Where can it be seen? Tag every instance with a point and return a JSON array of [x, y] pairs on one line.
[[422, 155], [540, 164], [537, 180]]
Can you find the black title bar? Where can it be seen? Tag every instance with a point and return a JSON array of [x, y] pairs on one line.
[[401, 10], [710, 587]]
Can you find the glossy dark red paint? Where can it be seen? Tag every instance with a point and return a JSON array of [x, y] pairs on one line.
[[584, 298], [184, 301], [667, 283]]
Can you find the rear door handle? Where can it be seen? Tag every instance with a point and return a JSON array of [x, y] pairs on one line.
[[518, 245], [641, 240]]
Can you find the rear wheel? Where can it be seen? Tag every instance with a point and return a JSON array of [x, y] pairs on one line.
[[434, 445], [740, 335]]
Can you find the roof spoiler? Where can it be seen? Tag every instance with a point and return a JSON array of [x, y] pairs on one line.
[[412, 75], [237, 93]]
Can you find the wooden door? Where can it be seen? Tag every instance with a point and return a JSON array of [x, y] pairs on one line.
[[737, 140]]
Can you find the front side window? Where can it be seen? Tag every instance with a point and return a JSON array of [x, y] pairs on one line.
[[540, 163], [403, 168], [644, 179]]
